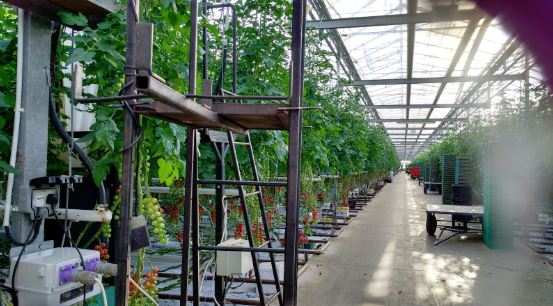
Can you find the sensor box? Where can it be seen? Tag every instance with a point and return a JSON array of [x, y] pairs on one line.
[[233, 263], [44, 277]]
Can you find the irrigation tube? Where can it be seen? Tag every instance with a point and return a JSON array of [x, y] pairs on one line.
[[17, 117]]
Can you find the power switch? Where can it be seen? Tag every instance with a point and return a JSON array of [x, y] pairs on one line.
[[43, 197]]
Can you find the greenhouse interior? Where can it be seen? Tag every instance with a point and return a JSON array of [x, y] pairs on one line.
[[284, 152]]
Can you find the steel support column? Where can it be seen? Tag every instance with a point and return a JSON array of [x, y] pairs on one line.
[[123, 248], [190, 185], [33, 131], [294, 155], [220, 149]]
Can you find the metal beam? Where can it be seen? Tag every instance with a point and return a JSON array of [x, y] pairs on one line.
[[411, 10], [400, 106], [451, 79], [508, 49], [341, 51], [471, 28], [407, 143], [154, 88], [438, 15], [414, 128], [94, 10], [416, 120]]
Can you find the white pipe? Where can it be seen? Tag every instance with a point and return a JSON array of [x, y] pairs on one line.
[[104, 297], [83, 215], [17, 117]]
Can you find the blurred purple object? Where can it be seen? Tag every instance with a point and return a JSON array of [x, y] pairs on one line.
[[532, 22], [66, 274]]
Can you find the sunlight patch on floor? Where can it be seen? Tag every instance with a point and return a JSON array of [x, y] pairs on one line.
[[379, 286], [444, 278]]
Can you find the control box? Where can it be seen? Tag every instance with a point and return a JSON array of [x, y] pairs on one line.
[[45, 277], [233, 263]]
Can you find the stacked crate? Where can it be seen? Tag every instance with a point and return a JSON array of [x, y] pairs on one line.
[[463, 170], [434, 170], [427, 172], [448, 178], [498, 211]]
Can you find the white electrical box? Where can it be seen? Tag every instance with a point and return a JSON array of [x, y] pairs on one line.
[[39, 196], [44, 277], [233, 263]]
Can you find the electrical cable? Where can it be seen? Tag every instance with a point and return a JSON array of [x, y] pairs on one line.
[[101, 285], [134, 119], [35, 232], [12, 294], [205, 272], [56, 123], [60, 130], [28, 240]]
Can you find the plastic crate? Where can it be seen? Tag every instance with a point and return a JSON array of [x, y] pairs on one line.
[[498, 212], [448, 178]]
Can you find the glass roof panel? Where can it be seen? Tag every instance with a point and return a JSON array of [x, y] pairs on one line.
[[381, 53]]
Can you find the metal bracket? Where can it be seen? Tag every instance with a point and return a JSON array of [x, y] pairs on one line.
[[301, 108], [33, 248]]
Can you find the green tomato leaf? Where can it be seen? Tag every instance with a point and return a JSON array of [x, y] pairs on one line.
[[6, 167], [166, 171], [73, 19], [4, 138], [80, 55], [3, 100], [100, 173]]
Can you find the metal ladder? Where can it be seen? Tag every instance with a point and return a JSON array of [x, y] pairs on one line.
[[221, 144]]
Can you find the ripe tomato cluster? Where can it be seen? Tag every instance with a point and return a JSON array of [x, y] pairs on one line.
[[269, 219], [268, 199], [151, 280], [149, 284], [104, 251], [315, 214], [321, 196], [303, 239], [172, 212], [258, 233], [239, 231]]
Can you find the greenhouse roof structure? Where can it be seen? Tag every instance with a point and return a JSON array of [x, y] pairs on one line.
[[423, 67]]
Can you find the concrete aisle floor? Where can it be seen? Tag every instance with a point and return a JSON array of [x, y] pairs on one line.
[[385, 257]]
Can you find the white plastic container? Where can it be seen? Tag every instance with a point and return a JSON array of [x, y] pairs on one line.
[[39, 278], [233, 263]]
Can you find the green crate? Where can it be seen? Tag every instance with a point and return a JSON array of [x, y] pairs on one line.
[[498, 215], [434, 170], [448, 178], [463, 170]]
